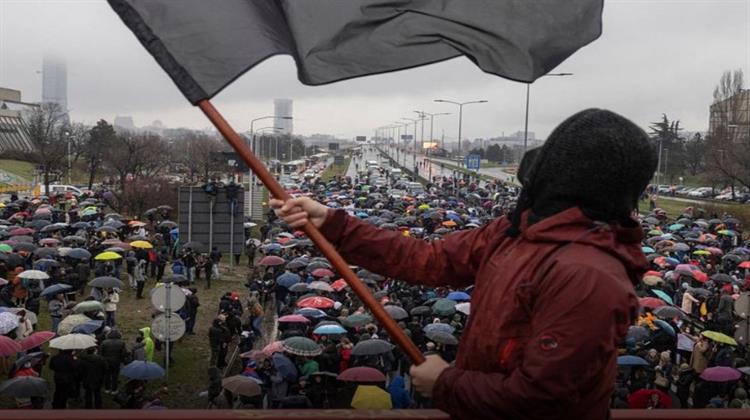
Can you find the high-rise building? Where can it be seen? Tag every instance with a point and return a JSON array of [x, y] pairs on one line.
[[55, 82], [282, 111]]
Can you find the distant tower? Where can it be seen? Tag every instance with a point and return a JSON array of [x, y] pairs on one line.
[[55, 81], [283, 108]]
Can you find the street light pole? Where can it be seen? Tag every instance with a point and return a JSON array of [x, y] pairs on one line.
[[460, 119], [526, 119], [70, 162], [414, 154], [432, 122]]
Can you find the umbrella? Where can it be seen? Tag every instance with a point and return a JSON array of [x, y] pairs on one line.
[[142, 370], [663, 296], [298, 288], [670, 312], [6, 248], [310, 313], [302, 346], [108, 256], [36, 339], [339, 285], [55, 289], [241, 385], [285, 367], [720, 374], [73, 342], [629, 360], [370, 397], [141, 244], [664, 326], [361, 374], [356, 320], [458, 296], [320, 285], [444, 307], [642, 397], [464, 308], [8, 346], [331, 329], [33, 275], [317, 302], [439, 326], [24, 387], [442, 337], [288, 279], [371, 347], [637, 333], [715, 336], [88, 327], [271, 261], [396, 312], [49, 241], [106, 282], [28, 357], [79, 239], [275, 347], [70, 322], [88, 306], [649, 302], [8, 322], [420, 311], [293, 319], [323, 272]]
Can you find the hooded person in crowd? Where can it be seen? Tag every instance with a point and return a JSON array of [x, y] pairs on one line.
[[554, 284]]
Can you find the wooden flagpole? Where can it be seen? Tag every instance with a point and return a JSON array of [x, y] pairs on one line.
[[364, 294]]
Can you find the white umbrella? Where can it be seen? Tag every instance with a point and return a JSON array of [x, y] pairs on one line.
[[464, 308], [320, 285], [33, 275], [73, 342], [8, 322]]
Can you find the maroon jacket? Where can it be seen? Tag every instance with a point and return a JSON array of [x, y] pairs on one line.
[[547, 313]]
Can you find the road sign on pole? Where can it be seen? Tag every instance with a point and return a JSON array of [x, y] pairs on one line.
[[472, 162]]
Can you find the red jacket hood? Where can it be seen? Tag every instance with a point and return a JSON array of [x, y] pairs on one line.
[[572, 225]]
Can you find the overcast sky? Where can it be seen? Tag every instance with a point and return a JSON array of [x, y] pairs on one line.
[[654, 57]]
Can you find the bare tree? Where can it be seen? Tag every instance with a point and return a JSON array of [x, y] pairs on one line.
[[196, 153], [47, 125], [728, 154], [100, 138]]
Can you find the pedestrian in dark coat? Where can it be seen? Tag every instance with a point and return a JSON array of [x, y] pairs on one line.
[[115, 353], [65, 367], [93, 367]]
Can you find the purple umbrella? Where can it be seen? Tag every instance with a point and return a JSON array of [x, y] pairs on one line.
[[720, 374]]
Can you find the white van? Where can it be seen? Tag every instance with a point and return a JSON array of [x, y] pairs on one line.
[[57, 188]]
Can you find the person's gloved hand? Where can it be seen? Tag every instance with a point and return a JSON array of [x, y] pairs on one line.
[[424, 376]]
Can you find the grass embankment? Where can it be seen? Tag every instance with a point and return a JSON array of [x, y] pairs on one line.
[[330, 172], [25, 170], [675, 208]]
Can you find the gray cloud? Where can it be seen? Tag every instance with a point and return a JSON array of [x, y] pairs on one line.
[[654, 57]]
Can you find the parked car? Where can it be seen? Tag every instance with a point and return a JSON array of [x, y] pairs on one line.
[[702, 192]]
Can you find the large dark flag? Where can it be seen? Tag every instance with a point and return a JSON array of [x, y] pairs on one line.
[[205, 44]]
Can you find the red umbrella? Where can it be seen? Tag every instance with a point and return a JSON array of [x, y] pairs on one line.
[[21, 232], [8, 346], [283, 240], [651, 302], [275, 347], [652, 273], [293, 319], [720, 374], [316, 302], [744, 264], [272, 260], [642, 399], [339, 285], [36, 339], [323, 272], [361, 374], [49, 241]]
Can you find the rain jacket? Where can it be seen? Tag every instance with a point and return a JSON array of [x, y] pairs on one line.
[[548, 310], [399, 396], [148, 343]]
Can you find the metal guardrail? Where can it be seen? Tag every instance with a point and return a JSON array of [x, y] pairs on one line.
[[15, 187]]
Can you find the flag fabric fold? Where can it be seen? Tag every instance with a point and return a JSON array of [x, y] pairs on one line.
[[205, 45]]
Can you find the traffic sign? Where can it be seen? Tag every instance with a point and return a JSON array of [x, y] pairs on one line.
[[472, 162], [176, 298], [172, 327]]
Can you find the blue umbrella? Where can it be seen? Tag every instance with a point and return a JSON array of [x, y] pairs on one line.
[[665, 326], [310, 313], [142, 370], [88, 327], [663, 296], [672, 261], [329, 329], [458, 296], [288, 279], [79, 254], [454, 217], [629, 360], [271, 247], [446, 328], [647, 250], [676, 227], [55, 289], [285, 367]]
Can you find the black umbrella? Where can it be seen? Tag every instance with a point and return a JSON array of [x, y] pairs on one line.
[[165, 207], [46, 252], [23, 238], [442, 337], [420, 311], [28, 358], [722, 278], [55, 289], [79, 254], [81, 225], [51, 228], [11, 260], [114, 223], [40, 225], [670, 312], [149, 212], [167, 224], [195, 246], [24, 387], [106, 282], [24, 246], [371, 347]]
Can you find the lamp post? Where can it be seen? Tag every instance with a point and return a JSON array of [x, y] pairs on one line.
[[421, 135], [526, 122], [398, 125], [70, 162], [460, 119], [414, 155], [432, 122]]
